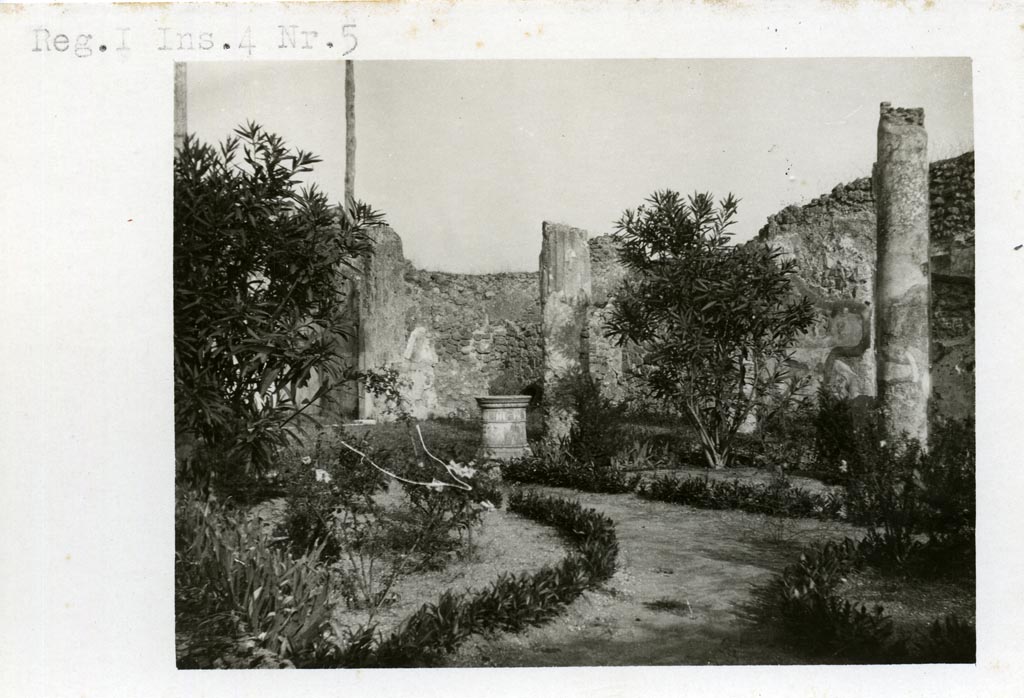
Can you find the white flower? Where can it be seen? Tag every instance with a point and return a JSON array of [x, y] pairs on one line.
[[306, 460], [842, 466], [881, 443], [461, 470], [322, 475]]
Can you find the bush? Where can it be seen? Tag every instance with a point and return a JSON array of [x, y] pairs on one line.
[[714, 321], [597, 430], [900, 490], [776, 499], [512, 602], [948, 476], [804, 602], [556, 466], [950, 640], [319, 490], [337, 508], [786, 437], [258, 306], [225, 563]]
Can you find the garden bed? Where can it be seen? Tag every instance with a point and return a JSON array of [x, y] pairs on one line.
[[503, 543]]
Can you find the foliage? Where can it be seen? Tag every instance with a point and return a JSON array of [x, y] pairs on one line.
[[777, 498], [900, 490], [806, 604], [225, 563], [511, 603], [597, 429], [835, 434], [258, 306], [386, 384], [336, 505], [587, 458], [506, 384], [715, 321], [641, 455], [554, 464], [785, 435], [948, 476], [950, 640], [318, 493]]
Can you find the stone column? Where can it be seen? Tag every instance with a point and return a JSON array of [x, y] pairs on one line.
[[382, 305], [564, 299], [180, 105], [902, 282]]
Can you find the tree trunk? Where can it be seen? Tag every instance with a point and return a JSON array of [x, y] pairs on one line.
[[350, 134]]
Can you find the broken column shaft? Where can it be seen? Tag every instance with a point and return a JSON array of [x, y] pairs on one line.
[[902, 282], [564, 298], [180, 105]]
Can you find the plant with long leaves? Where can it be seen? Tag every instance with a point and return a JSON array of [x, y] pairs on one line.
[[715, 321], [259, 297]]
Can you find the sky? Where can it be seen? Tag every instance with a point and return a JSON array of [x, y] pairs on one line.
[[467, 158]]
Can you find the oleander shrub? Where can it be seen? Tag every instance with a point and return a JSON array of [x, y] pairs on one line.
[[713, 321], [258, 309]]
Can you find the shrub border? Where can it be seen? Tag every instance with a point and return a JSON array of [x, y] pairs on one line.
[[805, 604], [511, 602], [785, 500]]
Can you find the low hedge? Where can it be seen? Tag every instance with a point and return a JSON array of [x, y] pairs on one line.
[[776, 499], [805, 604], [512, 602], [563, 471]]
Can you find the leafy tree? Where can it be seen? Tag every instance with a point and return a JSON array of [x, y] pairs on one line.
[[258, 302], [715, 321]]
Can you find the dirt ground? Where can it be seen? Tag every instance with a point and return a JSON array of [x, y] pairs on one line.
[[683, 573], [677, 596]]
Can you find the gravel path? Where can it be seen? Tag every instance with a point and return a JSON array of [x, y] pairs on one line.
[[683, 573]]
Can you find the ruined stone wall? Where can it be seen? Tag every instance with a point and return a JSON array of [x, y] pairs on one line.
[[451, 335], [479, 328], [833, 240], [454, 336]]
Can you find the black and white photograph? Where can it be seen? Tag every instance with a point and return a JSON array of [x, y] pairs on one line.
[[574, 363], [459, 348]]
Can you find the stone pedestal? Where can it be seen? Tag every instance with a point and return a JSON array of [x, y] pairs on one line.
[[565, 298], [504, 427], [902, 282]]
